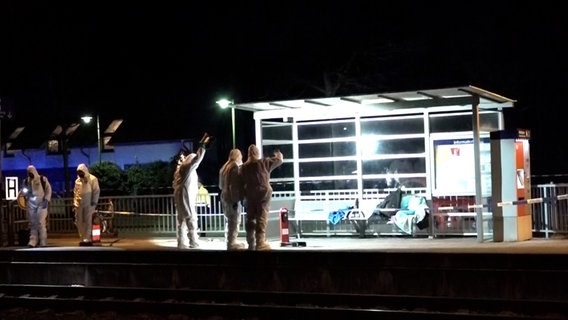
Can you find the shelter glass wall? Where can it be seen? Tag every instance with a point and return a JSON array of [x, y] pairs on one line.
[[371, 152], [278, 134]]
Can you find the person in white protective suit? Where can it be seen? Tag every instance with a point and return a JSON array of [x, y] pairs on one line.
[[85, 199], [37, 192], [255, 173], [232, 194], [186, 187]]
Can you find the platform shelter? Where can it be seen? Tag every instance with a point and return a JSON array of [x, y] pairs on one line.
[[435, 142]]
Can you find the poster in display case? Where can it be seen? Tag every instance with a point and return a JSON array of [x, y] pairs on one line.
[[454, 166]]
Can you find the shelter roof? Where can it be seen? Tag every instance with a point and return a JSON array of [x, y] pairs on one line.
[[436, 99]]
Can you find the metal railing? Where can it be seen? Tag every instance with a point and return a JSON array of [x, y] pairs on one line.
[[155, 215]]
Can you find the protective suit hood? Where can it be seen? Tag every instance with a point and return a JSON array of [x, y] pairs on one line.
[[235, 156], [83, 168], [253, 152], [33, 170]]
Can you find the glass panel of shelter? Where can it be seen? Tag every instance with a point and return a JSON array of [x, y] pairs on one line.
[[388, 145]]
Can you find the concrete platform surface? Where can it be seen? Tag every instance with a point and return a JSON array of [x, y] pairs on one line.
[[556, 245]]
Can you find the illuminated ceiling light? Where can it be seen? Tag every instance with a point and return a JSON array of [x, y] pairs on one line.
[[416, 98]]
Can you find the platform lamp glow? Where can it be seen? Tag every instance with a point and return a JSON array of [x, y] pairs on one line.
[[224, 104], [87, 120]]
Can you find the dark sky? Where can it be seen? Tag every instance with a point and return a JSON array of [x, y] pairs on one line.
[[167, 62]]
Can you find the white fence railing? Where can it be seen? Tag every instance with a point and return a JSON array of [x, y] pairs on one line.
[[155, 214]]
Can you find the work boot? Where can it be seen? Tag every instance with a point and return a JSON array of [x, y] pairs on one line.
[[181, 236], [250, 228], [250, 241], [232, 234], [226, 232], [193, 239], [261, 244], [193, 243], [182, 243], [251, 246], [237, 246]]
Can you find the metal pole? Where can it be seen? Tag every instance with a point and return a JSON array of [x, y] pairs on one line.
[[99, 146], [477, 160], [233, 125]]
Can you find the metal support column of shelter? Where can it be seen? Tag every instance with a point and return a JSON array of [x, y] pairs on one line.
[[477, 161]]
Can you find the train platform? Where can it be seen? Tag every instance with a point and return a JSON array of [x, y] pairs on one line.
[[534, 269], [554, 245]]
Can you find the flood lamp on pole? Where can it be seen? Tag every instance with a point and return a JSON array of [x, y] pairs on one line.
[[87, 119], [224, 104]]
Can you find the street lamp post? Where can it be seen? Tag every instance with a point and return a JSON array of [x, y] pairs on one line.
[[87, 119], [224, 103]]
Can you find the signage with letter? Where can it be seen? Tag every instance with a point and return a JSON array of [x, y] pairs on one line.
[[11, 188]]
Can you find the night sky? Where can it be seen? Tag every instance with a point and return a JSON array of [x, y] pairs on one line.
[[164, 64]]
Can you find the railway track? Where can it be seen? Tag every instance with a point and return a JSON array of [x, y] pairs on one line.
[[154, 303]]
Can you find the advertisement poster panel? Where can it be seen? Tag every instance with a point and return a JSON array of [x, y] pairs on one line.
[[454, 166]]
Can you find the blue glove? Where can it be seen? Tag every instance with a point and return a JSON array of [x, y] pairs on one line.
[[44, 204]]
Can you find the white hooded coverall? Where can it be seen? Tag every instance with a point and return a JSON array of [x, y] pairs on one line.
[[255, 173], [38, 199], [186, 187], [85, 199], [232, 194]]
